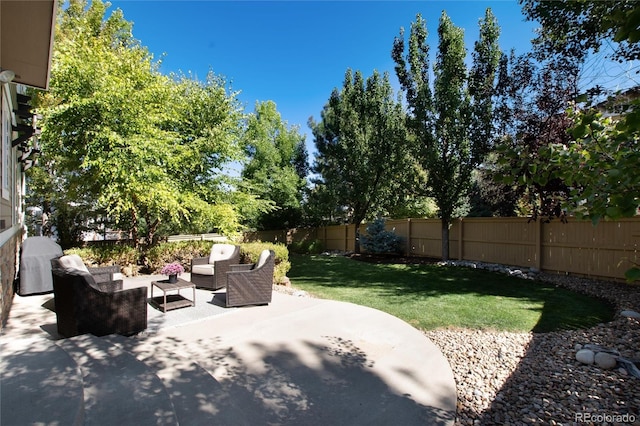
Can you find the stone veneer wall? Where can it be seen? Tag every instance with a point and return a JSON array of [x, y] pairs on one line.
[[8, 256]]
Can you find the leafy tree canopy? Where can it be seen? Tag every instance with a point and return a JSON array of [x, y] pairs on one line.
[[593, 159], [451, 119], [143, 146], [365, 160], [532, 100], [574, 28], [276, 167]]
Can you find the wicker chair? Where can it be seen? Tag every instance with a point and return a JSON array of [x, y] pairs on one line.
[[87, 303], [251, 284], [210, 272]]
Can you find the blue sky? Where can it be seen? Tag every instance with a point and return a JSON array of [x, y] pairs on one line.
[[295, 52]]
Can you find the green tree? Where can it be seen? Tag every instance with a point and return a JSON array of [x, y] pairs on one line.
[[486, 57], [596, 165], [597, 161], [453, 123], [533, 98], [142, 145], [276, 167], [594, 161], [364, 156], [379, 240], [599, 165], [575, 28]]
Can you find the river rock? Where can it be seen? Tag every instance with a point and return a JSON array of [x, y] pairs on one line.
[[605, 361], [631, 314], [585, 356]]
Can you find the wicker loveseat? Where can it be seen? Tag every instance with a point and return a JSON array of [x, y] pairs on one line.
[[251, 284], [96, 304], [210, 272]]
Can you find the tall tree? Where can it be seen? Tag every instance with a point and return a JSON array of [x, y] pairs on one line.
[[453, 123], [594, 158], [575, 28], [118, 132], [533, 98], [364, 156], [276, 168], [596, 162], [486, 57]]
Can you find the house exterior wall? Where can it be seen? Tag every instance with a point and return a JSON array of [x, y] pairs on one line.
[[26, 46], [9, 245], [11, 198]]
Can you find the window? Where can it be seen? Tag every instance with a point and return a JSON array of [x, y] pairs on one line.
[[6, 148], [8, 215]]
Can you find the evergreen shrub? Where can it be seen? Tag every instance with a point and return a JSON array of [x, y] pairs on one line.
[[380, 241]]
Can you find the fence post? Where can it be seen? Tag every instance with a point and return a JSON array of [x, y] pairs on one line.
[[324, 237], [538, 262], [460, 236], [408, 246], [346, 238]]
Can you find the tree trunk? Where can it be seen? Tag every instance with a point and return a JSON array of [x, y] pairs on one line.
[[45, 229], [153, 227], [356, 247], [445, 239], [134, 227]]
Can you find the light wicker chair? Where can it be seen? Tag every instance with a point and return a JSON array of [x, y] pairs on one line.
[[210, 272], [251, 284], [85, 303]]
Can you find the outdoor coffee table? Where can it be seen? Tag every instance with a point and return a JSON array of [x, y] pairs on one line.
[[172, 301]]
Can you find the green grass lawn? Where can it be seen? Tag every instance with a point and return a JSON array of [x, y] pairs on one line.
[[430, 296]]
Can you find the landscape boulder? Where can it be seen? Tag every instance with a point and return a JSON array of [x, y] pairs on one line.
[[585, 356]]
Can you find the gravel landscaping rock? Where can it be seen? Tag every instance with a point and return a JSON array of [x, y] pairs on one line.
[[526, 378]]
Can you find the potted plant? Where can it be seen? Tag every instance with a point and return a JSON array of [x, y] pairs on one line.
[[172, 270]]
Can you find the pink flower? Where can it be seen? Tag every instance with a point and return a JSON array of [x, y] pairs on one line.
[[172, 269]]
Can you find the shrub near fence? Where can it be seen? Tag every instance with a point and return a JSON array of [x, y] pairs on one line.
[[578, 247]]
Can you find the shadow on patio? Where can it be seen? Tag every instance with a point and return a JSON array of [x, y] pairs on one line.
[[296, 361]]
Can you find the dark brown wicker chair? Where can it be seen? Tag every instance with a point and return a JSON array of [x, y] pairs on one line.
[[210, 272], [251, 284], [85, 303]]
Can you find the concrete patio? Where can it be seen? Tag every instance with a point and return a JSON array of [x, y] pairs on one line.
[[297, 361]]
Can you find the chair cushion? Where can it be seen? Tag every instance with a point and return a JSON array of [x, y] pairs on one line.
[[221, 252], [84, 275], [202, 269], [89, 279], [73, 261], [264, 256]]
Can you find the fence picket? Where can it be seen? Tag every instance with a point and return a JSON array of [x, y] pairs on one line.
[[602, 251]]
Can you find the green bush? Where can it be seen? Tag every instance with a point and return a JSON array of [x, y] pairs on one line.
[[156, 257], [380, 241], [250, 252], [307, 247], [175, 251], [122, 255]]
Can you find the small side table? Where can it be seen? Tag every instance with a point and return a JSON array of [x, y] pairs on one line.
[[173, 301]]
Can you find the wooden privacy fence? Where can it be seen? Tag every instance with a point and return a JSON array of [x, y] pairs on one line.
[[578, 247]]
